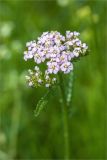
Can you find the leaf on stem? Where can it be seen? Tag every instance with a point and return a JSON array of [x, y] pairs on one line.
[[41, 103]]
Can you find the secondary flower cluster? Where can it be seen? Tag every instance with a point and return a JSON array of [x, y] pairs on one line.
[[57, 52]]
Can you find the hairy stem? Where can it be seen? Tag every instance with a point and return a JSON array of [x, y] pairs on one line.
[[65, 118]]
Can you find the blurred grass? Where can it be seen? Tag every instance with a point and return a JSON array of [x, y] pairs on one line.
[[21, 134]]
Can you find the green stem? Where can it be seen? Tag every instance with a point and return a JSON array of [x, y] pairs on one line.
[[65, 118]]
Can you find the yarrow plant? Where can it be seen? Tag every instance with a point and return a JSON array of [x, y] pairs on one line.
[[56, 53]]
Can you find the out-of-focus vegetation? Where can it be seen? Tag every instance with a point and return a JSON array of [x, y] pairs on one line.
[[21, 134]]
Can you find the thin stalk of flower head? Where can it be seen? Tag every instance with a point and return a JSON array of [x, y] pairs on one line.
[[65, 119]]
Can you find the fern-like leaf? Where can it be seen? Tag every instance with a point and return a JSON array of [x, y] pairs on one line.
[[41, 104]]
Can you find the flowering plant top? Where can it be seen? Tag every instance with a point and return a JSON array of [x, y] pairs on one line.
[[57, 52]]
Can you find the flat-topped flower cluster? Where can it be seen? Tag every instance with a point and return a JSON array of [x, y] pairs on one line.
[[57, 52]]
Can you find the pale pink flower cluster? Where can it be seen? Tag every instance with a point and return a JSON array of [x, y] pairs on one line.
[[56, 51]]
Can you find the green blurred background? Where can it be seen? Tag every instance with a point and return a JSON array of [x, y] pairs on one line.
[[21, 134]]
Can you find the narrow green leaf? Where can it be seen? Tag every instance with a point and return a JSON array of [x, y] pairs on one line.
[[41, 104]]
